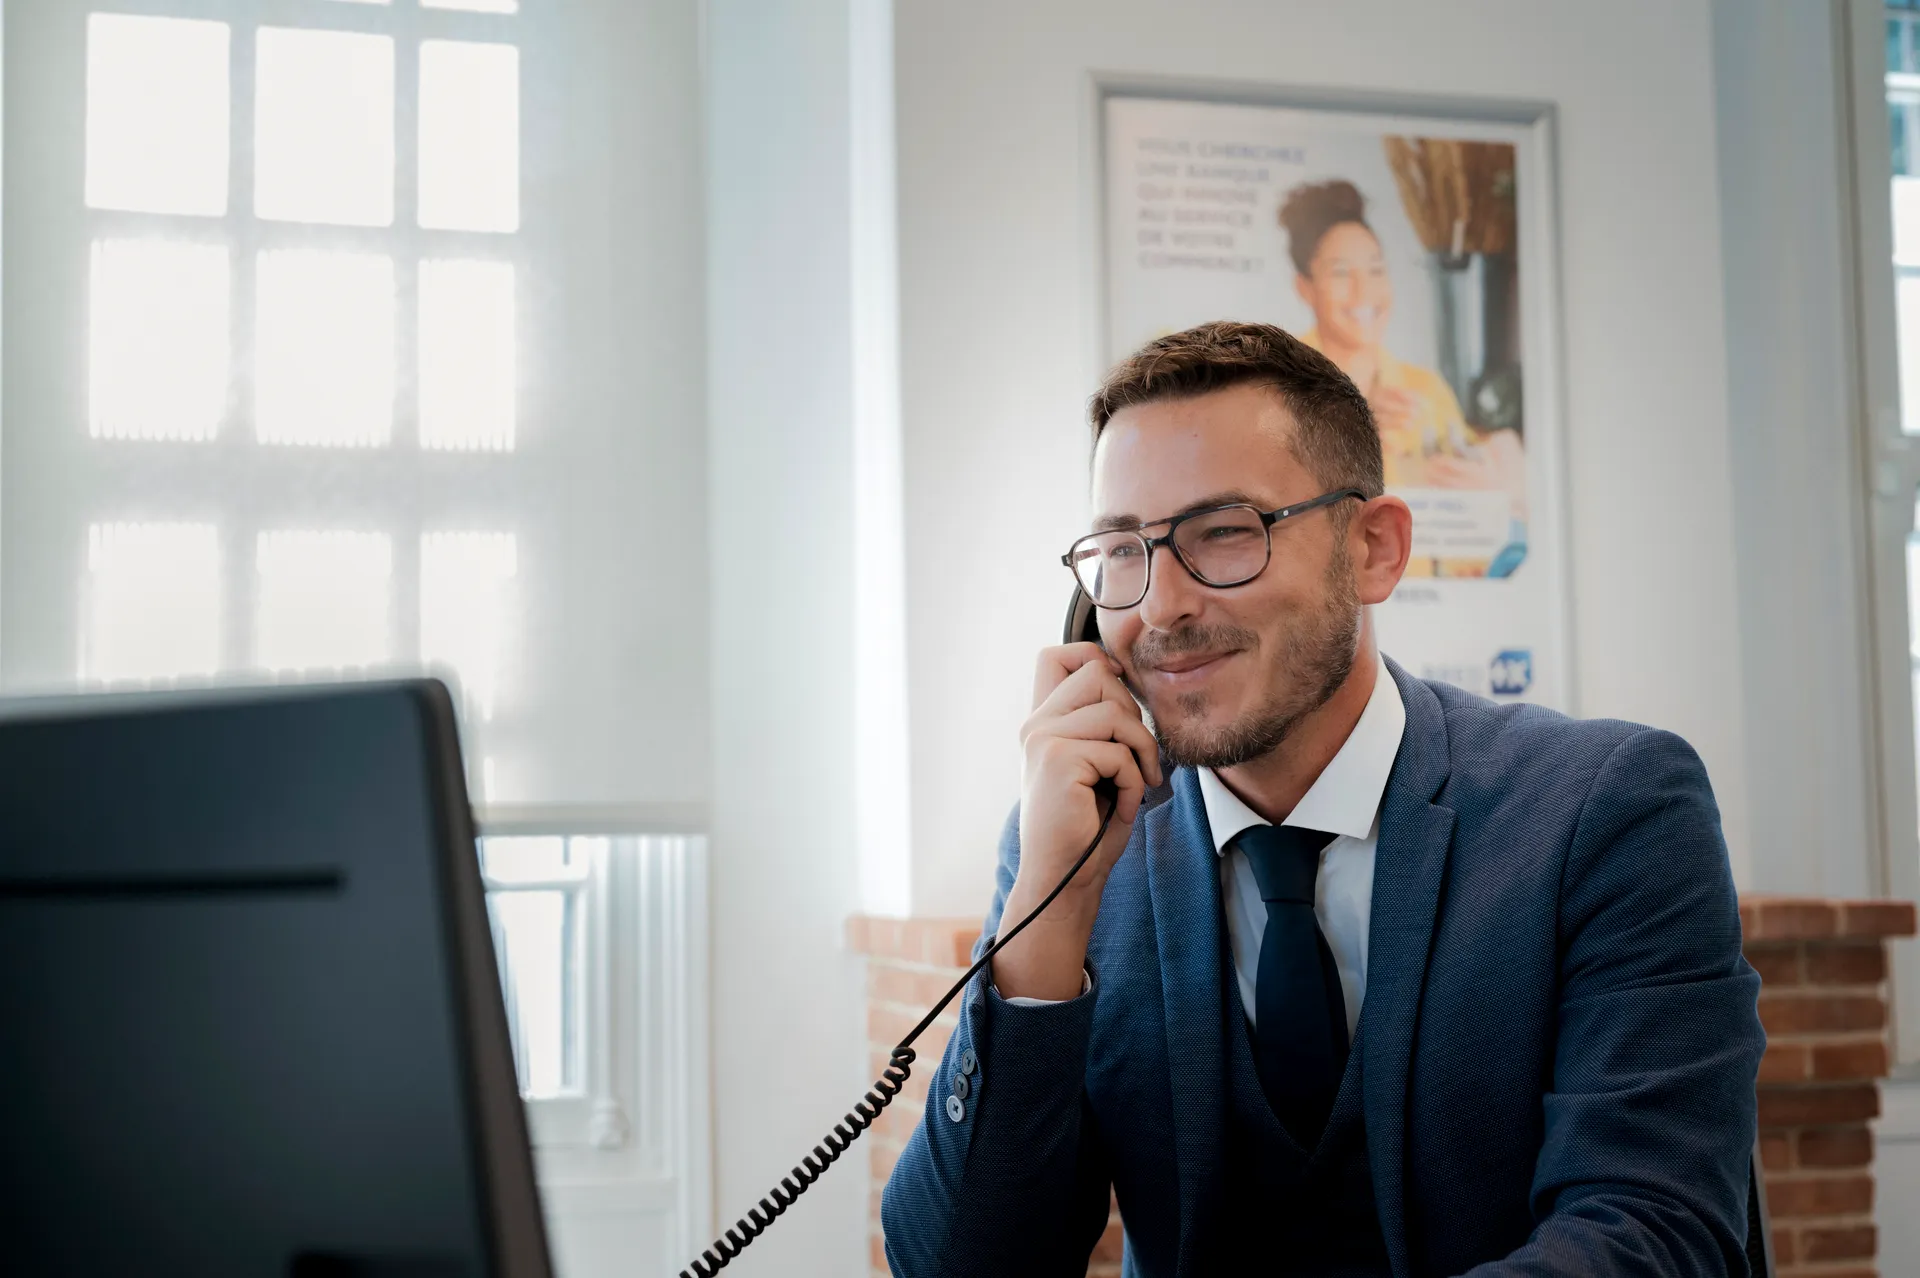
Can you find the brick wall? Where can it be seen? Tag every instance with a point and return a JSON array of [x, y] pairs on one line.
[[1823, 1001], [910, 964]]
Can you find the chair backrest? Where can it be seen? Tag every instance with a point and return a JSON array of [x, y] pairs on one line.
[[1759, 1227]]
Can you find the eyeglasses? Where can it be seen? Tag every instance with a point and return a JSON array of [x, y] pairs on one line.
[[1220, 546]]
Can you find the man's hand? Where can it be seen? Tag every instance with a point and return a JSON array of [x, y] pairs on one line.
[[1085, 727]]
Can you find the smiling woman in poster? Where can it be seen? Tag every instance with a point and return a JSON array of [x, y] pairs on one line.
[[1341, 274]]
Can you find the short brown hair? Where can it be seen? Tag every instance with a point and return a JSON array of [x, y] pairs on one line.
[[1334, 436]]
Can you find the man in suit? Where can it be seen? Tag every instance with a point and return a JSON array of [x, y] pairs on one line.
[[1368, 976]]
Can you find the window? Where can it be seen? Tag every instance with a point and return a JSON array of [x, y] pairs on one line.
[[348, 337], [304, 263], [1882, 65], [584, 924]]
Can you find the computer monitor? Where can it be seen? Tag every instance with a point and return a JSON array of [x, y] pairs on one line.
[[250, 1021]]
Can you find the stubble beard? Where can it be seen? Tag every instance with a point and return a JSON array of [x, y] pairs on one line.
[[1316, 655]]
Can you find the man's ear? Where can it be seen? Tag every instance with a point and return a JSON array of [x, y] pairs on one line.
[[1379, 542]]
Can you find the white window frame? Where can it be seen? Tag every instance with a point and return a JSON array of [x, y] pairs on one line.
[[1890, 477], [637, 1141], [636, 1132], [243, 485]]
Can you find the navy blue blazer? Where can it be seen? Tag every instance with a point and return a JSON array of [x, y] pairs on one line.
[[1559, 1038]]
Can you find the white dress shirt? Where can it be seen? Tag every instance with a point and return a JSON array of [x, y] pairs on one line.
[[1344, 800]]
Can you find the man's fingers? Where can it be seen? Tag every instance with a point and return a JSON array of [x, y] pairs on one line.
[[1110, 759], [1057, 663], [1105, 721], [1089, 684]]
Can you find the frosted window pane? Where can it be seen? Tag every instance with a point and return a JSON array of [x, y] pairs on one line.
[[1906, 220], [323, 350], [474, 6], [466, 355], [151, 601], [156, 114], [530, 858], [536, 937], [323, 127], [464, 583], [323, 599], [1907, 332], [157, 340], [469, 135], [1913, 588]]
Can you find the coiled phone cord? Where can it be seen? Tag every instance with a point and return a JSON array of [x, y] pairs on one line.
[[885, 1088]]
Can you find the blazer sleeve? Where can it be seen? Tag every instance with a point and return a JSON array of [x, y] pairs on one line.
[[1650, 1114], [1011, 1180]]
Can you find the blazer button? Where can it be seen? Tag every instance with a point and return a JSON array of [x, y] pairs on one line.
[[955, 1110], [961, 1087], [968, 1061]]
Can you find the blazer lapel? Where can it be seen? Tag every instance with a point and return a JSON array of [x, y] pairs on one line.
[[1409, 865], [1183, 881]]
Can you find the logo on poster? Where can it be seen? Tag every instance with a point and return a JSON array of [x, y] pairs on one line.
[[1511, 672]]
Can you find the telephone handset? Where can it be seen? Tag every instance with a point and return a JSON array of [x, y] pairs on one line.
[[1083, 620], [1082, 624]]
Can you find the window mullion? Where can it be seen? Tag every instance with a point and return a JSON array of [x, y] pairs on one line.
[[240, 521]]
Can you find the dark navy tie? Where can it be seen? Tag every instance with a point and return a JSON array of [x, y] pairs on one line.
[[1301, 1017]]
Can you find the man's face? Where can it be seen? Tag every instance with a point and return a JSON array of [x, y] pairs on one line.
[[1226, 673]]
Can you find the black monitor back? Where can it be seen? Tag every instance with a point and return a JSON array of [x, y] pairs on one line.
[[250, 1021]]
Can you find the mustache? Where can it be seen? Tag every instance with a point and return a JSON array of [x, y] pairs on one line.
[[1151, 649]]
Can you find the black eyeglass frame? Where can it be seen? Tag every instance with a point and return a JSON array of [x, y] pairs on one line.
[[1268, 518]]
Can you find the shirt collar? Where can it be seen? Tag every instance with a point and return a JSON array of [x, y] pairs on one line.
[[1345, 797]]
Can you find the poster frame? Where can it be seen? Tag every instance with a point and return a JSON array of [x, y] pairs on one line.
[[1543, 324]]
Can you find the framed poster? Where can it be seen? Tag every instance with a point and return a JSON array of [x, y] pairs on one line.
[[1415, 250]]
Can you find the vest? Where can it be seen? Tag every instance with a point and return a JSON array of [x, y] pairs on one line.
[[1303, 1212]]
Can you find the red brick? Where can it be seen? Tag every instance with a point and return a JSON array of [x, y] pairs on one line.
[[895, 1123], [908, 987], [914, 1094], [1821, 1013], [877, 1252], [855, 933], [885, 1025], [1844, 1195], [1835, 1147], [883, 938], [1877, 918], [881, 1156], [912, 940], [1853, 964], [1817, 1106], [1776, 1151], [1786, 1063], [1778, 965], [1834, 1062], [1787, 919], [955, 948], [1784, 1251], [1842, 1242]]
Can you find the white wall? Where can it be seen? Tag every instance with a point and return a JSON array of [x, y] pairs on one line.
[[1000, 344], [1795, 453], [789, 1039]]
